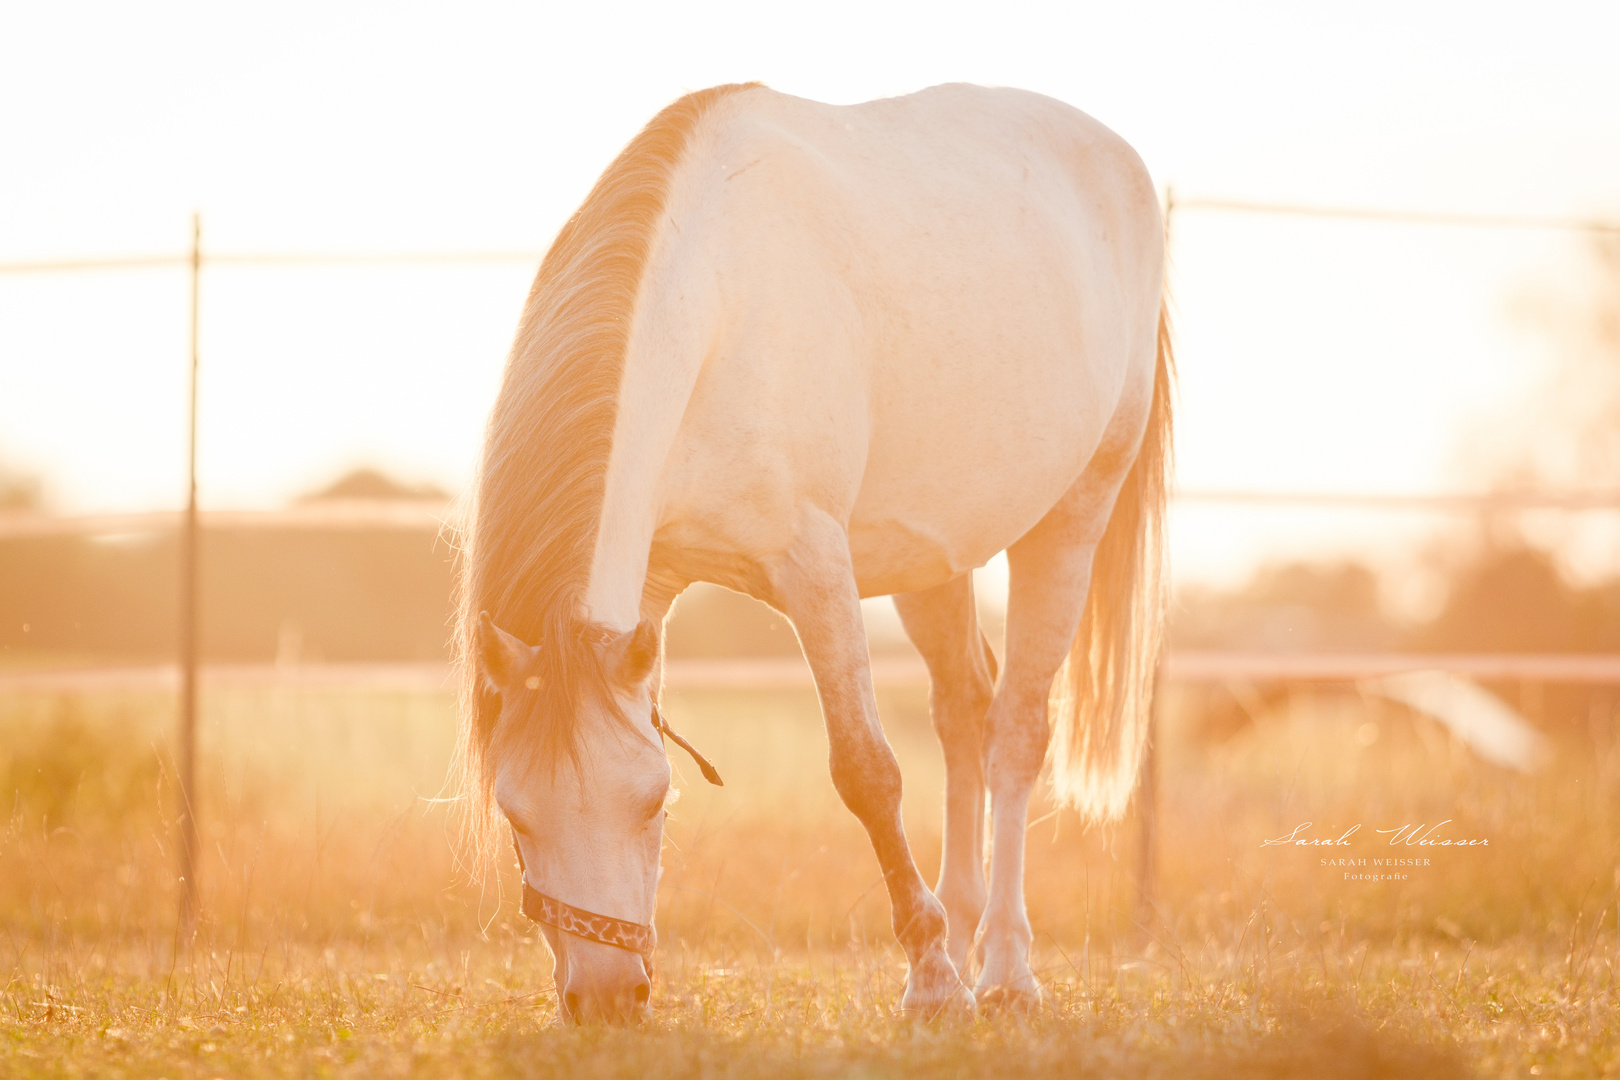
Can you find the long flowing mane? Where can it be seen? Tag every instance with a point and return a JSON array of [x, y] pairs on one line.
[[531, 527]]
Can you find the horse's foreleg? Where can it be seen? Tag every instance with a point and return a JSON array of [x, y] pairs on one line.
[[815, 586], [944, 626], [1050, 573]]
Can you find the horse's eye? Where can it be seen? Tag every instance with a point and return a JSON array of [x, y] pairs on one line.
[[660, 804]]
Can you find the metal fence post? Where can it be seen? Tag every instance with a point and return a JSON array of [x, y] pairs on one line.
[[188, 628]]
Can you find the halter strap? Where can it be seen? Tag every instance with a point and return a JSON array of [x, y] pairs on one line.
[[596, 633], [620, 933]]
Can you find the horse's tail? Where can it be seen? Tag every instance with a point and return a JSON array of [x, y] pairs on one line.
[[1104, 692]]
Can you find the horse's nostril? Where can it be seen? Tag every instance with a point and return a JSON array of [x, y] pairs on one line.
[[572, 1002], [643, 992]]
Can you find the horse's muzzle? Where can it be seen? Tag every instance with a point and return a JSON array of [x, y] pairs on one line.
[[602, 985]]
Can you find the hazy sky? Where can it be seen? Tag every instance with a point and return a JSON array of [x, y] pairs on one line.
[[1314, 355]]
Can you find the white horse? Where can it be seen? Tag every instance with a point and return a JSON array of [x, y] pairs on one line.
[[815, 353]]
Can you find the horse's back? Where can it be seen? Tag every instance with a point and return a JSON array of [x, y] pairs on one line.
[[926, 313]]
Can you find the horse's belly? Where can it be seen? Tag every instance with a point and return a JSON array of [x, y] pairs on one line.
[[919, 522], [896, 556], [981, 418]]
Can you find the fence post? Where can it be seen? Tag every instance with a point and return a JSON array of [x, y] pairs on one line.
[[1147, 795], [1147, 824], [188, 628]]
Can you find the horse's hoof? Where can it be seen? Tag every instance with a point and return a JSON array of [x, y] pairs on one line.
[[957, 1003], [1020, 999], [935, 991]]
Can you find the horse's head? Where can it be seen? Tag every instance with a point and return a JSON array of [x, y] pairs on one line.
[[588, 820]]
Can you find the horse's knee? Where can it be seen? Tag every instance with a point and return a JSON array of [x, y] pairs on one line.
[[866, 776], [1015, 744], [958, 715], [964, 895]]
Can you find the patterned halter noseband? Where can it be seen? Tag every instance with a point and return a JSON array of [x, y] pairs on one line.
[[620, 933], [633, 937]]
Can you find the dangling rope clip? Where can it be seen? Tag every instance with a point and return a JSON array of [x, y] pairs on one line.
[[710, 773]]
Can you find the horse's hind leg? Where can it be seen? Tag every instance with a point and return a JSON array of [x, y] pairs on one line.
[[944, 626], [814, 584], [1050, 572]]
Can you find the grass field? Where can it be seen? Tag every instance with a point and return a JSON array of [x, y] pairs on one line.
[[339, 937]]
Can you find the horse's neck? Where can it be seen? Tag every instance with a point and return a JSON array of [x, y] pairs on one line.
[[660, 370]]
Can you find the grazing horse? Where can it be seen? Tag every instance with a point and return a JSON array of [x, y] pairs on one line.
[[814, 353]]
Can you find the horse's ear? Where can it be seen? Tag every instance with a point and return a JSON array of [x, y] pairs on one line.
[[499, 653], [640, 653]]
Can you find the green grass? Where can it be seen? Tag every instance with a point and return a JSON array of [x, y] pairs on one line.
[[340, 939]]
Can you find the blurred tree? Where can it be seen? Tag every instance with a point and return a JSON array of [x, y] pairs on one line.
[[1571, 430], [1516, 600], [19, 491], [1564, 434], [369, 483], [1547, 582], [1293, 606]]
